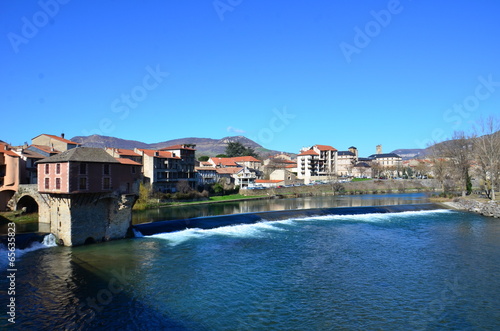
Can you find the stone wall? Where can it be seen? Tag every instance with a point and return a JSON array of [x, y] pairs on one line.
[[88, 218], [487, 208]]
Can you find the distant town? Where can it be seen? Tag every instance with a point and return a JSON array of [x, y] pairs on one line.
[[166, 169]]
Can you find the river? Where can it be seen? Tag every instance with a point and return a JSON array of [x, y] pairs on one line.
[[422, 270]]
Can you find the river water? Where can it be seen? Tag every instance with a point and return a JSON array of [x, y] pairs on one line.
[[401, 271]]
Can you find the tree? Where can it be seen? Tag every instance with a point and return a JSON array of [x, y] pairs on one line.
[[221, 155], [234, 149], [487, 153], [458, 152], [203, 158], [183, 186]]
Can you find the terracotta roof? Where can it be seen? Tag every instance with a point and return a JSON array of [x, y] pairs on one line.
[[81, 154], [292, 166], [245, 159], [177, 147], [127, 161], [269, 181], [223, 161], [58, 138], [126, 152], [229, 170], [206, 164], [160, 154], [309, 152], [8, 152], [325, 148]]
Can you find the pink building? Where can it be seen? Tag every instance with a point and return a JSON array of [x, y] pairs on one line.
[[87, 170]]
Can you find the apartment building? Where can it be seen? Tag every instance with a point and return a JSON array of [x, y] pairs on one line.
[[318, 162]]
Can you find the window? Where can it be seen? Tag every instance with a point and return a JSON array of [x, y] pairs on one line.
[[105, 169], [47, 183], [106, 183], [83, 168], [58, 183], [58, 168], [133, 169], [47, 168], [82, 183]]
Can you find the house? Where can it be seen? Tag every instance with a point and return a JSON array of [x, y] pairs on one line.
[[54, 142], [10, 178], [86, 170], [318, 162], [285, 176], [188, 161], [161, 169], [244, 177], [207, 175], [124, 154], [89, 195], [346, 161]]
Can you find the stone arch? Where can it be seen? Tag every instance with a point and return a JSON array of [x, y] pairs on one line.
[[89, 241], [29, 191], [28, 202]]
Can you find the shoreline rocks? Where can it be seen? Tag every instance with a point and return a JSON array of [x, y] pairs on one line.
[[488, 208]]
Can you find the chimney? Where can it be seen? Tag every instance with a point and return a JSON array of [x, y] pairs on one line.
[[62, 135], [379, 149]]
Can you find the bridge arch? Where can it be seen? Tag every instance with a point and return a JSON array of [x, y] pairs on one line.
[[28, 202]]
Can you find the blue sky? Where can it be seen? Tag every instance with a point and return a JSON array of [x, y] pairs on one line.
[[288, 75]]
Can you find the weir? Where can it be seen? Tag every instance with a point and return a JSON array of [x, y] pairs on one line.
[[211, 222]]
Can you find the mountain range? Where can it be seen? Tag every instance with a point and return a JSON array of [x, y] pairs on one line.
[[204, 146]]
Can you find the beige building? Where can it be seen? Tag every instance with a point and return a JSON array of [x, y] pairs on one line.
[[318, 162], [54, 142], [346, 160]]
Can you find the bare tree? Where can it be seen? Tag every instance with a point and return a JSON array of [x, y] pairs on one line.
[[487, 153], [458, 153]]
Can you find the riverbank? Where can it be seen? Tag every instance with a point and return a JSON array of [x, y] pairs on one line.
[[477, 205], [375, 186]]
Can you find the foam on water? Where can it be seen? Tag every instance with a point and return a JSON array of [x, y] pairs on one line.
[[238, 230], [375, 217], [48, 241], [262, 228]]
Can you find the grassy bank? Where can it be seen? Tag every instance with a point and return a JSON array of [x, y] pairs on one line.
[[223, 198], [10, 216]]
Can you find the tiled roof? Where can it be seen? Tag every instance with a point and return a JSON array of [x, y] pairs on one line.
[[46, 149], [223, 161], [245, 159], [159, 153], [6, 151], [126, 152], [123, 160], [81, 154], [291, 166], [309, 152], [32, 154], [229, 170], [325, 148], [177, 147], [58, 138]]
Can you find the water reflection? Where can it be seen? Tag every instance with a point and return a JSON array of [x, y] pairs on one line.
[[252, 206]]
